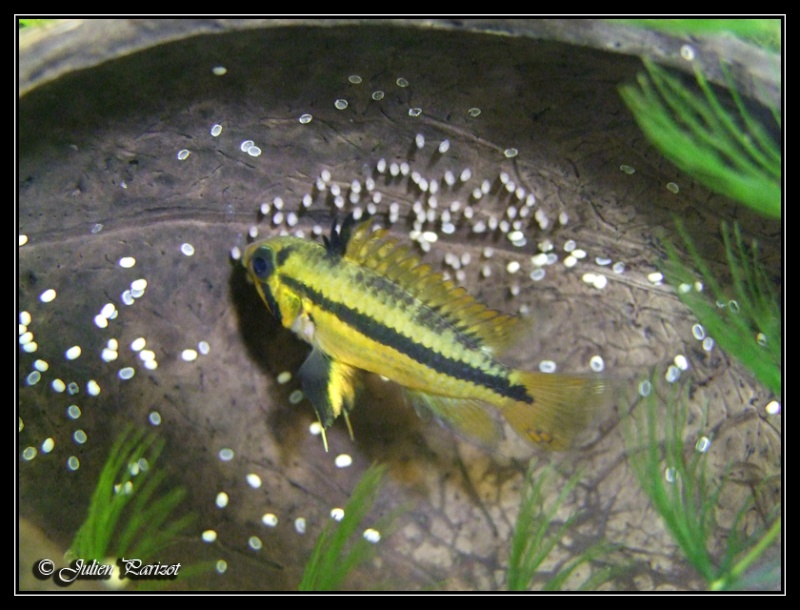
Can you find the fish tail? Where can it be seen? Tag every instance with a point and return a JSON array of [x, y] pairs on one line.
[[563, 405]]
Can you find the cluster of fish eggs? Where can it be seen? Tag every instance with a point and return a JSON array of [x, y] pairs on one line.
[[81, 394], [411, 197]]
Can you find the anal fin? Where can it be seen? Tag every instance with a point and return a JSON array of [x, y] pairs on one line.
[[471, 418]]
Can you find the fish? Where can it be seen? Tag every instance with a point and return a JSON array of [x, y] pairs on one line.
[[367, 303]]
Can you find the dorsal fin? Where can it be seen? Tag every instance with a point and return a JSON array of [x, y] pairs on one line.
[[339, 239], [397, 262]]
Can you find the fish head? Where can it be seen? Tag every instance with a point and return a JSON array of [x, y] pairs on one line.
[[260, 260]]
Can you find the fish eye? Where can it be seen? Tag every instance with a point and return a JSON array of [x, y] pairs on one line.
[[262, 263], [259, 266]]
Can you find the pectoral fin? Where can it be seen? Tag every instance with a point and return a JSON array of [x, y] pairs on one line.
[[330, 385], [469, 417]]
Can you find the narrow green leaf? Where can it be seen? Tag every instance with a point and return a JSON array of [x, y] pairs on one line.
[[330, 561]]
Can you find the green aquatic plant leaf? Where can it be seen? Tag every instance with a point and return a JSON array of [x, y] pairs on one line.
[[679, 490], [27, 23], [338, 549], [674, 475], [533, 538], [745, 320], [762, 32], [729, 153], [129, 514], [737, 577]]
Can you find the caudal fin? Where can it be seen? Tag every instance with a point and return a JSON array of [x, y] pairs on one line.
[[562, 407]]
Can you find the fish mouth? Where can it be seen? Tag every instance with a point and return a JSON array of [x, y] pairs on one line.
[[248, 254]]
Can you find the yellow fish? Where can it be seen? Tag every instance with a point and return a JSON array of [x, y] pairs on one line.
[[366, 303]]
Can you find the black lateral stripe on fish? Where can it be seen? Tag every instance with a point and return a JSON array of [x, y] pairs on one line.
[[425, 356], [366, 303]]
